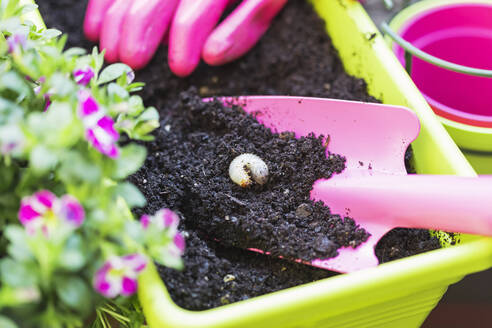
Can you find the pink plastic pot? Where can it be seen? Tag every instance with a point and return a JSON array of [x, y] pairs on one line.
[[460, 33]]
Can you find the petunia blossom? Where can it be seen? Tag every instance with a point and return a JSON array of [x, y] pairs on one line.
[[177, 247], [88, 106], [163, 219], [16, 42], [166, 245], [83, 76], [103, 136], [118, 275], [12, 140], [45, 212], [99, 128]]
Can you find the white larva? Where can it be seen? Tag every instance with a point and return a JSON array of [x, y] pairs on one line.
[[247, 166]]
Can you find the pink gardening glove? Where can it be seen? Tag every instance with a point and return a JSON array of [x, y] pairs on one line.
[[131, 30]]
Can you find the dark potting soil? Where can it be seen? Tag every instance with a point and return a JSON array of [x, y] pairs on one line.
[[295, 57], [187, 169]]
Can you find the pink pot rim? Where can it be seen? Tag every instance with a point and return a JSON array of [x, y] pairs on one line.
[[439, 108]]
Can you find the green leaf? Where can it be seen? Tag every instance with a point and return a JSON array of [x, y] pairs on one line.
[[131, 159], [13, 297], [75, 51], [136, 106], [149, 114], [76, 168], [7, 323], [117, 92], [4, 48], [56, 127], [131, 194], [147, 122], [10, 112], [75, 293], [97, 59], [51, 33], [133, 229], [13, 82], [17, 274], [42, 159], [7, 176], [61, 42], [28, 8], [157, 253], [112, 72], [9, 8], [73, 256], [58, 116], [18, 248], [134, 87], [143, 129], [61, 85]]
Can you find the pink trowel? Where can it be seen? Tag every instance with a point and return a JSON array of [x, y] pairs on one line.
[[375, 189]]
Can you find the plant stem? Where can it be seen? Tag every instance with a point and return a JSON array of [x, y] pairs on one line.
[[388, 4]]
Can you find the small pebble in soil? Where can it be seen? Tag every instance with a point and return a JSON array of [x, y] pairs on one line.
[[304, 210]]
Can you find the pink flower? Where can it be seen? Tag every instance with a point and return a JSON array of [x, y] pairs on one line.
[[45, 212], [88, 106], [48, 102], [163, 219], [8, 148], [99, 128], [103, 136], [118, 276], [12, 140], [169, 245], [83, 76], [177, 247], [16, 42]]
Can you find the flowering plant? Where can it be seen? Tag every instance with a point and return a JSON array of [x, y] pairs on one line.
[[68, 240]]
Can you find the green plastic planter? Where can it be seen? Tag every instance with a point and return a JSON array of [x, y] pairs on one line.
[[396, 294]]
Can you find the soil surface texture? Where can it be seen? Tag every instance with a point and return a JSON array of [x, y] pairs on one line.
[[188, 170], [187, 165]]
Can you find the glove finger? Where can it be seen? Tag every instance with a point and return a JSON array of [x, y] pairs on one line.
[[144, 28], [112, 29], [239, 32], [94, 16], [193, 22]]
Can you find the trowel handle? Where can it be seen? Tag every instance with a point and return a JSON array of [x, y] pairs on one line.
[[450, 203]]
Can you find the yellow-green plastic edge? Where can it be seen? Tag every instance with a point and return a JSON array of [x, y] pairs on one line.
[[396, 294], [469, 137], [465, 136]]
